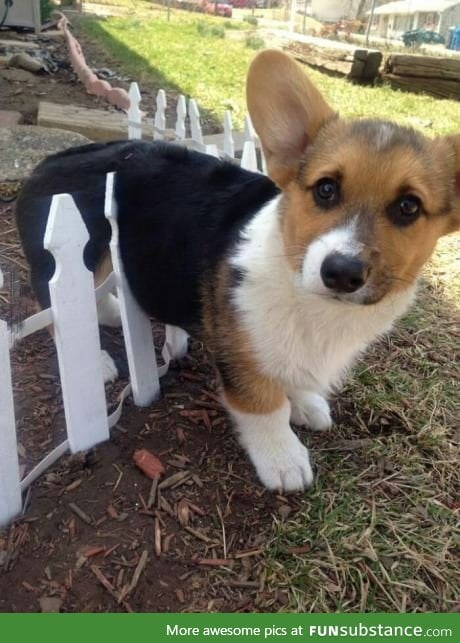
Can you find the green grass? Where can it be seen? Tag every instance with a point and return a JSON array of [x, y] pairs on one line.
[[174, 55], [185, 55], [381, 523]]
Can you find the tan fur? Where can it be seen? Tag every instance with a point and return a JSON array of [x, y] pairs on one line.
[[103, 269], [303, 143], [286, 109], [303, 140], [245, 388]]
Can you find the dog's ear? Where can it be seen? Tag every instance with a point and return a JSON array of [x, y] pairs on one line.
[[454, 223], [286, 109]]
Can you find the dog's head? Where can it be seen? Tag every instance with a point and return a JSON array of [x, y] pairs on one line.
[[364, 201]]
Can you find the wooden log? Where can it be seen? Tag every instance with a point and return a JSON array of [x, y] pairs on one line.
[[366, 65], [95, 124], [423, 66], [360, 65], [330, 63], [100, 125], [433, 86]]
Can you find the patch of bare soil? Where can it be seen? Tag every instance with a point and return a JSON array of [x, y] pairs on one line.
[[22, 90]]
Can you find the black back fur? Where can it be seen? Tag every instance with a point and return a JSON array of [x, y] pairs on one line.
[[179, 215]]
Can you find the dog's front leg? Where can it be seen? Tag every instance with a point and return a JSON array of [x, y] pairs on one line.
[[310, 409], [262, 422]]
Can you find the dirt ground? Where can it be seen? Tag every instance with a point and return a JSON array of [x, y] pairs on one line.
[[90, 521], [92, 536], [63, 87]]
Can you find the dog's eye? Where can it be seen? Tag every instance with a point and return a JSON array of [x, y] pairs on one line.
[[405, 210], [326, 192]]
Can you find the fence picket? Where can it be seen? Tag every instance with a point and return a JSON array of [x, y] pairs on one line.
[[74, 312], [212, 150], [159, 122], [249, 155], [75, 327], [229, 143], [249, 131], [134, 112], [195, 124], [10, 490], [181, 112], [137, 330]]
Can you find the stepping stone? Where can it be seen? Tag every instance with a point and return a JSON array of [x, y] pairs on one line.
[[24, 146], [9, 118]]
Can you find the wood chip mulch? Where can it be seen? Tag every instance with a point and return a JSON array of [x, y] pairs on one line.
[[98, 534]]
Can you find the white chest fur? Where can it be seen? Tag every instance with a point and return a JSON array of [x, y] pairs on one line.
[[304, 340]]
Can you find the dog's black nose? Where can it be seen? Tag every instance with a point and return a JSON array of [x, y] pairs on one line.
[[342, 273]]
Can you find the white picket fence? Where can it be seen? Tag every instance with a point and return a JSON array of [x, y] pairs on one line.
[[74, 315], [188, 122]]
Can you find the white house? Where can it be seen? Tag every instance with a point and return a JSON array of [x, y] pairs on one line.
[[393, 19], [334, 10]]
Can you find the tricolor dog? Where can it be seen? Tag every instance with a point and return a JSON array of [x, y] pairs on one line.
[[286, 279]]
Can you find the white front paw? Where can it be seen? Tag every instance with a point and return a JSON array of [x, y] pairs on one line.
[[282, 465], [280, 459], [310, 409], [109, 370], [108, 311]]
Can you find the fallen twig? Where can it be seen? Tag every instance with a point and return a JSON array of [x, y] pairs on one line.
[[109, 587], [80, 513]]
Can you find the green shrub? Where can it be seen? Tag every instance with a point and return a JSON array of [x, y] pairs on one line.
[[218, 31], [253, 41], [252, 20], [237, 25], [206, 29], [202, 28], [46, 8]]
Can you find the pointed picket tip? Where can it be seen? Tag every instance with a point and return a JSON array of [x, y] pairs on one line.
[[249, 131], [161, 98], [249, 157], [193, 107], [65, 225], [229, 143], [182, 104], [181, 112], [228, 121], [159, 120], [195, 124], [134, 93]]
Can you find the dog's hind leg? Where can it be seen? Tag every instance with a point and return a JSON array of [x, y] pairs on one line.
[[108, 314], [176, 341], [108, 308], [310, 409], [108, 311]]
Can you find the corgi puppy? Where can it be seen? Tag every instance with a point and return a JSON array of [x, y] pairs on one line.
[[286, 279]]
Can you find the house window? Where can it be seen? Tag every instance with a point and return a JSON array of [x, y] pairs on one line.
[[428, 20]]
